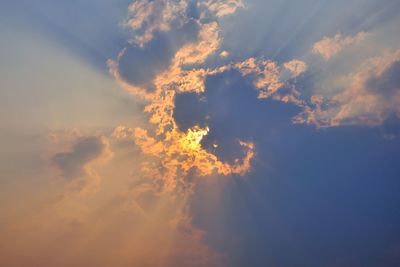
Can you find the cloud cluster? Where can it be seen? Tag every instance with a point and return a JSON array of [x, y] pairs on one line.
[[147, 18], [210, 111], [177, 152], [168, 56]]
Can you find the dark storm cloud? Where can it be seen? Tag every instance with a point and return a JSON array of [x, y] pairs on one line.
[[85, 150]]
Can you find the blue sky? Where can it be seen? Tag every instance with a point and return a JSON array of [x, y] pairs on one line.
[[200, 133]]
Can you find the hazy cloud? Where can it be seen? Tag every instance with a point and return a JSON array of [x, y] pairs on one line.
[[328, 47], [368, 96], [86, 149]]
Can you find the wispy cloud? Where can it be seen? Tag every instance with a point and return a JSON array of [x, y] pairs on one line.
[[369, 95], [328, 47]]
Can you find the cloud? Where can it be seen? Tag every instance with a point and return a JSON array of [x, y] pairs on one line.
[[148, 17], [296, 67], [268, 76], [157, 54], [223, 8], [175, 152], [210, 116], [231, 109], [178, 150], [197, 52], [75, 162], [206, 119], [328, 47], [84, 151], [367, 96]]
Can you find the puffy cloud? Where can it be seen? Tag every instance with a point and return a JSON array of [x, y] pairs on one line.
[[328, 47], [367, 96], [122, 132], [224, 54], [266, 73], [146, 228], [295, 67], [223, 7], [197, 52], [148, 17], [175, 152], [222, 140], [158, 54], [179, 151], [269, 77]]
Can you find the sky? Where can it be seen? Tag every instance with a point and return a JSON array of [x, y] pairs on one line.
[[199, 133]]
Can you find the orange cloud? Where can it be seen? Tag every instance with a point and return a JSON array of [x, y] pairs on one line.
[[178, 152], [197, 52], [269, 77]]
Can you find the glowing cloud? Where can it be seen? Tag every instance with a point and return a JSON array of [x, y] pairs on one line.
[[178, 152]]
